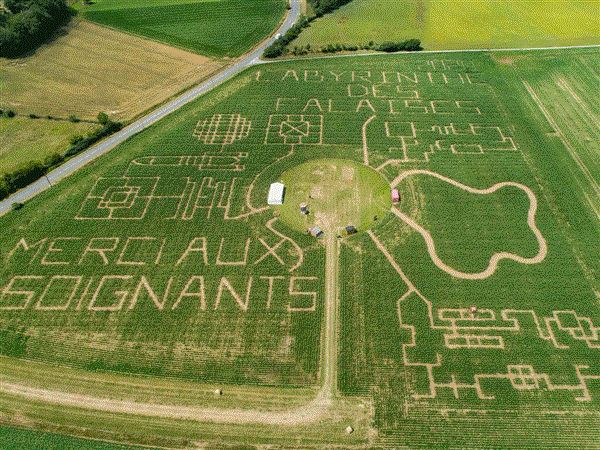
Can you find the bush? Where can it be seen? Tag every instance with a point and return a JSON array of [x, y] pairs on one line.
[[10, 113], [52, 160], [25, 175], [33, 116], [412, 45], [102, 118], [324, 6], [17, 205], [75, 139], [73, 119], [83, 143]]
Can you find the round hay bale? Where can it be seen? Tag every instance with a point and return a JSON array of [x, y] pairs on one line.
[[218, 392], [349, 429], [473, 309]]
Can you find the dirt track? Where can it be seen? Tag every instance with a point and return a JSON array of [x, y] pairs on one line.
[[330, 334], [310, 413], [496, 257]]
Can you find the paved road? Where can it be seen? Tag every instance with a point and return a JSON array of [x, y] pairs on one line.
[[104, 146]]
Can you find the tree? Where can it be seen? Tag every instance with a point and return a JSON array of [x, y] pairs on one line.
[[102, 118], [28, 23], [76, 139]]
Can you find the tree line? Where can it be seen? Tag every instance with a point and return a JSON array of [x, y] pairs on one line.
[[25, 24], [321, 7]]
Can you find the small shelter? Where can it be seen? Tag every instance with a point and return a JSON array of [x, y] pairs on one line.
[[316, 231], [276, 194], [395, 196], [350, 229]]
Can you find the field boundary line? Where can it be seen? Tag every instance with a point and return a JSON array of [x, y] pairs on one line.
[[568, 146], [496, 257], [473, 50], [562, 83]]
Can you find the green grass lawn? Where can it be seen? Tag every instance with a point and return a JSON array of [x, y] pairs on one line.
[[216, 27], [459, 25], [23, 139]]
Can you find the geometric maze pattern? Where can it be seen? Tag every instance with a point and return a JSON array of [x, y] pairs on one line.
[[482, 329], [222, 129], [176, 185], [118, 198], [418, 142], [294, 129], [133, 197]]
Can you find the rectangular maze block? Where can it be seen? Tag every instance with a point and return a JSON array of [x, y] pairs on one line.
[[294, 129]]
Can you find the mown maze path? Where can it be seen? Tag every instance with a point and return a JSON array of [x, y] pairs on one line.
[[332, 320]]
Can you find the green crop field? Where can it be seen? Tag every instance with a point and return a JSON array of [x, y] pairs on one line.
[[459, 25], [465, 316], [21, 439], [215, 27]]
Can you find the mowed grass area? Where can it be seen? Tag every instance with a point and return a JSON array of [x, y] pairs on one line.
[[159, 390], [466, 24], [23, 139], [91, 69], [163, 260], [338, 193], [215, 27]]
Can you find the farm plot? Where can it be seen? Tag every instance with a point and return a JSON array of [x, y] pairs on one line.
[[468, 313], [23, 139], [463, 25], [92, 69], [213, 27], [562, 89]]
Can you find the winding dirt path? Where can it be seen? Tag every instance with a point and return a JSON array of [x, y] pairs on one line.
[[496, 257]]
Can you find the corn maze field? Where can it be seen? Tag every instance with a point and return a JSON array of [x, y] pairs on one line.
[[469, 313]]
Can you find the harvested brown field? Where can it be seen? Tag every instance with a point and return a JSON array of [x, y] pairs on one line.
[[91, 69]]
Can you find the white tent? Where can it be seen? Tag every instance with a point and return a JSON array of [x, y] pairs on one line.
[[276, 193]]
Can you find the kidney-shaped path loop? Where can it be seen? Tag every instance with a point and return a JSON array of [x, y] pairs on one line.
[[493, 265]]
